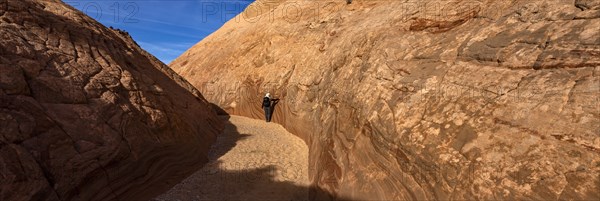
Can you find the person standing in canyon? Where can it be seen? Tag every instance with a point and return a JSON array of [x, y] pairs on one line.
[[266, 105]]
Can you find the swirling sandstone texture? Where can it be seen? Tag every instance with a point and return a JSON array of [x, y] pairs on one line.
[[85, 114], [421, 100]]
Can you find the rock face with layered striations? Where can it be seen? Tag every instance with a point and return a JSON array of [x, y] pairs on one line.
[[421, 100], [86, 114]]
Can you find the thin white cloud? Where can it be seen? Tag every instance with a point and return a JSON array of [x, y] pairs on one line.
[[164, 48], [195, 34], [166, 52]]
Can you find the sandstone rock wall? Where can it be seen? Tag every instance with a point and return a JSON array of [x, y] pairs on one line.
[[415, 100], [86, 114]]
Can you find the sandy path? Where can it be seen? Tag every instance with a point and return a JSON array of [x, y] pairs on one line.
[[251, 160]]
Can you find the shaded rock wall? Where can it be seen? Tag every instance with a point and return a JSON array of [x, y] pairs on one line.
[[421, 99], [86, 114]]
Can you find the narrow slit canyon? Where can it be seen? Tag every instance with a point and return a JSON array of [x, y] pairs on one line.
[[373, 100]]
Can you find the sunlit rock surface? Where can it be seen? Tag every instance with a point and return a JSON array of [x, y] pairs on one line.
[[421, 100]]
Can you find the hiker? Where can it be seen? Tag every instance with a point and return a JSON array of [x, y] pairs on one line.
[[266, 105]]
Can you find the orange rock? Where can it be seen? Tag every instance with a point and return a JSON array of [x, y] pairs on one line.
[[86, 114], [421, 100]]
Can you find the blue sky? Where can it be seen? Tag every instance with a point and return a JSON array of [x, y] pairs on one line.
[[165, 28]]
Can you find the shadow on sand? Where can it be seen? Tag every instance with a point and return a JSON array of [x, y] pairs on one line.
[[218, 110], [264, 176], [247, 182]]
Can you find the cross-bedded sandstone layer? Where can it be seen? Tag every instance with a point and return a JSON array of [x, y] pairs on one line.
[[421, 100]]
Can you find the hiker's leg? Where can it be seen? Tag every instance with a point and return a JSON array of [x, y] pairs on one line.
[[266, 113]]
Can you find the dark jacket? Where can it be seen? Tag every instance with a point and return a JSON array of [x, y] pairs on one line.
[[266, 102]]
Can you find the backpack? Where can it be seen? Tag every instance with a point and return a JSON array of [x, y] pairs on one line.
[[266, 102]]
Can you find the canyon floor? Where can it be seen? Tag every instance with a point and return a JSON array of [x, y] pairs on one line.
[[251, 160]]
